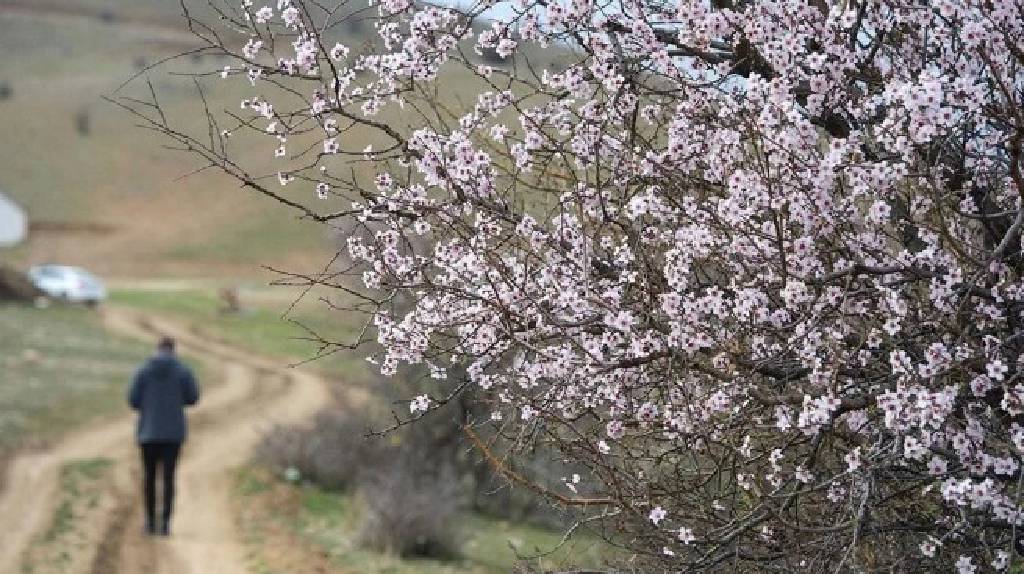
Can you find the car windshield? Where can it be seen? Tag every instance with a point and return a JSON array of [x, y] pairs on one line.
[[49, 271]]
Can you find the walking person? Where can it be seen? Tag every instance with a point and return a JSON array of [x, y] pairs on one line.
[[160, 391]]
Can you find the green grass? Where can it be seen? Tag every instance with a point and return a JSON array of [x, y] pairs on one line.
[[260, 328], [328, 521], [60, 369], [79, 485], [255, 328], [62, 520], [255, 240]]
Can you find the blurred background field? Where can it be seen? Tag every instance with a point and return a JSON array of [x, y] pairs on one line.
[[102, 193], [261, 325]]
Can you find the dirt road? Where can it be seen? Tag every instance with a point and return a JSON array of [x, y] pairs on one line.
[[254, 392]]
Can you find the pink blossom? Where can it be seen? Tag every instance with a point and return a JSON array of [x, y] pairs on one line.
[[419, 404], [727, 256], [964, 565], [657, 515], [264, 14]]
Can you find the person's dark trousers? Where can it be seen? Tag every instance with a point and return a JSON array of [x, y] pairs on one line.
[[165, 456]]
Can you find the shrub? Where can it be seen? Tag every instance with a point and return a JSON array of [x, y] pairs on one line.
[[408, 511], [495, 496], [339, 450], [331, 452], [410, 495]]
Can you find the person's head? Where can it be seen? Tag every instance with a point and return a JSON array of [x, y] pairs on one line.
[[165, 345]]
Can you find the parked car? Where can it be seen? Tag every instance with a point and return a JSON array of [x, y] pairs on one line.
[[72, 284]]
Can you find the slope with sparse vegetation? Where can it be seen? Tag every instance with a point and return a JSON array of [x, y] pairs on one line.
[[99, 191]]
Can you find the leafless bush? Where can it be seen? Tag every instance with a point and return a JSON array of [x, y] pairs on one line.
[[411, 497], [281, 447], [331, 452], [411, 512]]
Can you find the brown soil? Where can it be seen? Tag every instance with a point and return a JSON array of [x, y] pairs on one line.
[[254, 394]]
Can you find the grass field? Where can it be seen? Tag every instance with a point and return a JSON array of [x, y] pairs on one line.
[[261, 327], [61, 369]]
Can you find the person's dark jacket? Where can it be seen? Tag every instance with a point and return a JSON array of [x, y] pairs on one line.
[[160, 391]]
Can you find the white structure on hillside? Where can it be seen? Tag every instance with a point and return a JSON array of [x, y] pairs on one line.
[[13, 223]]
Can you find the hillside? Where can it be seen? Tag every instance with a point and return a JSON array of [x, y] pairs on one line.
[[101, 192]]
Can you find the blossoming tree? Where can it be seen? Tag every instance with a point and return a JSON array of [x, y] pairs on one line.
[[756, 266]]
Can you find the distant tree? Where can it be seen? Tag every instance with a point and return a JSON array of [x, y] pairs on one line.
[[5, 90], [83, 122], [107, 16], [755, 265]]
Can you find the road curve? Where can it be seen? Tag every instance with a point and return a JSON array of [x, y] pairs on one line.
[[254, 392]]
